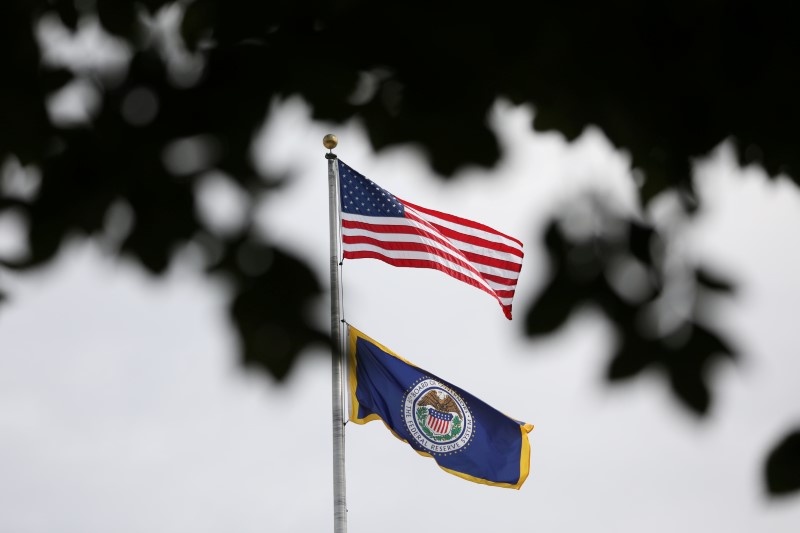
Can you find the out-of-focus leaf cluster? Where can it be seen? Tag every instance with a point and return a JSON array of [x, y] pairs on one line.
[[666, 82], [783, 465], [618, 265]]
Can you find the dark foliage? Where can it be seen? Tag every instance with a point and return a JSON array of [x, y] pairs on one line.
[[783, 465], [666, 82], [618, 268]]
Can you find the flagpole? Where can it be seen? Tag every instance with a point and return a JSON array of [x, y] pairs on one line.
[[339, 486]]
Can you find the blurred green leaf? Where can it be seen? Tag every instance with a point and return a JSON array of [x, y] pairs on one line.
[[552, 308], [641, 239], [118, 18], [67, 12], [631, 358], [782, 470], [692, 390], [271, 315], [713, 281]]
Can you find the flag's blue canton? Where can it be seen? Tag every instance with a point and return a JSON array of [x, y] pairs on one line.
[[361, 196]]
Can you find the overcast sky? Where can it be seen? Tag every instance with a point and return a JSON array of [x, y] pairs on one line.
[[127, 411]]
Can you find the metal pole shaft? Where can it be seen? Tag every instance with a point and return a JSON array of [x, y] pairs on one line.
[[339, 485]]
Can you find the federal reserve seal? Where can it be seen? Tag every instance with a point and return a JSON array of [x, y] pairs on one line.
[[437, 418]]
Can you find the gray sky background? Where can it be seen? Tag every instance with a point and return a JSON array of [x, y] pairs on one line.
[[129, 413]]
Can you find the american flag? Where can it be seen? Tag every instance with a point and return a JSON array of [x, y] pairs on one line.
[[378, 225]]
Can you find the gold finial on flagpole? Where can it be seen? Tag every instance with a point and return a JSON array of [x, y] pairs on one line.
[[330, 141]]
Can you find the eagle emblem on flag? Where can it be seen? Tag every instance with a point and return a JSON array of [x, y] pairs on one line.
[[437, 417], [442, 409]]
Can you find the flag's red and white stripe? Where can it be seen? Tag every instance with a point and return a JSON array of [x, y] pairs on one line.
[[468, 251]]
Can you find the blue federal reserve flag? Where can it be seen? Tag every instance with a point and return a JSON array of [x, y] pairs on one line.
[[464, 435]]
